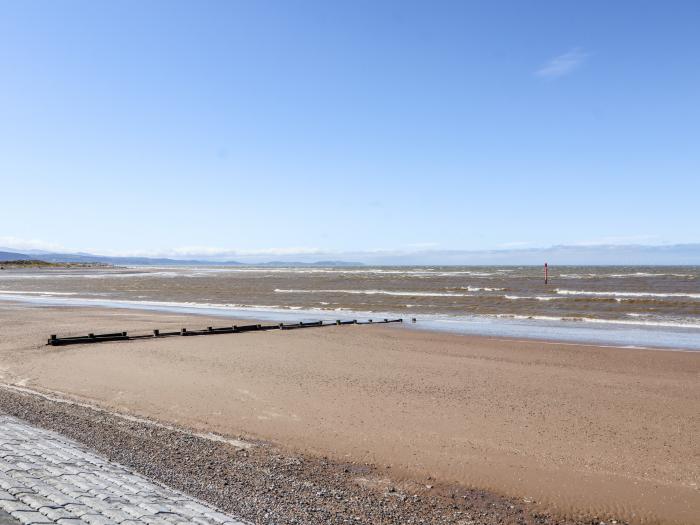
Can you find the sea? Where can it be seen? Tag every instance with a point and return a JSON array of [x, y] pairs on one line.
[[625, 306]]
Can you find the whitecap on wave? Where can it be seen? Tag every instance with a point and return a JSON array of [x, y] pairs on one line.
[[375, 292], [626, 294]]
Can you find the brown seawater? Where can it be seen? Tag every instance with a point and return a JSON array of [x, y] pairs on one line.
[[635, 296]]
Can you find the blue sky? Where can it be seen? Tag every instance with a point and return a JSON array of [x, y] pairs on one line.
[[293, 127]]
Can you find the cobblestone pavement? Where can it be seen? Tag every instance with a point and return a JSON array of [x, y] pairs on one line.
[[46, 478]]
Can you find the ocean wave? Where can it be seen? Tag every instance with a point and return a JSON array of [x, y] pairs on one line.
[[626, 294], [623, 275], [411, 272], [166, 304], [532, 298], [86, 275], [598, 320], [377, 292], [32, 292], [481, 289]]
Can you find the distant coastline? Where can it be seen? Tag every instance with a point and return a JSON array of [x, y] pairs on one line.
[[36, 263], [97, 260]]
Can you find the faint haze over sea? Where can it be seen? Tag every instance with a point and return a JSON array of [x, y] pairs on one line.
[[678, 254]]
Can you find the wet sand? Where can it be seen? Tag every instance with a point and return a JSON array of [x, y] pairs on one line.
[[603, 431]]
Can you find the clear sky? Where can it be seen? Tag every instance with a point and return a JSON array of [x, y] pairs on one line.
[[183, 127]]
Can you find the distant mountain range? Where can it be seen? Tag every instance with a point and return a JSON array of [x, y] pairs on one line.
[[632, 255], [147, 261]]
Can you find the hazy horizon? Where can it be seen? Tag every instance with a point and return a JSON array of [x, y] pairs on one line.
[[577, 255]]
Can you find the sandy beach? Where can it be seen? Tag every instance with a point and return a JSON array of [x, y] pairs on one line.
[[576, 429]]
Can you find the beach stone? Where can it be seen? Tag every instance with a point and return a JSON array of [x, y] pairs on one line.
[[46, 478]]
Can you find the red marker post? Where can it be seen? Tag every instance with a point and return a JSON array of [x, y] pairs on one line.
[[546, 273]]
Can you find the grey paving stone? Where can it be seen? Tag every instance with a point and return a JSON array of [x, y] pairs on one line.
[[61, 499], [18, 491], [46, 478], [36, 502], [31, 518], [97, 519], [13, 506], [6, 482], [151, 508], [118, 515], [78, 510], [135, 511], [156, 520], [55, 514], [94, 503]]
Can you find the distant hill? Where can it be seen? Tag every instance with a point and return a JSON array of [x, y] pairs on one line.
[[14, 256], [36, 263], [148, 261]]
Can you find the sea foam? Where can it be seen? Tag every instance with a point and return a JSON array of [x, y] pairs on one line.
[[626, 294]]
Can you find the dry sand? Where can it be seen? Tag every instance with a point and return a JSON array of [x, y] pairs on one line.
[[606, 431]]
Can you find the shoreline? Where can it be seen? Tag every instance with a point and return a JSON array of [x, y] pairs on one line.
[[582, 429], [594, 332]]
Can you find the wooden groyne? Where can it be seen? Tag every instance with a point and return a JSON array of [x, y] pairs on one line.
[[235, 329]]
